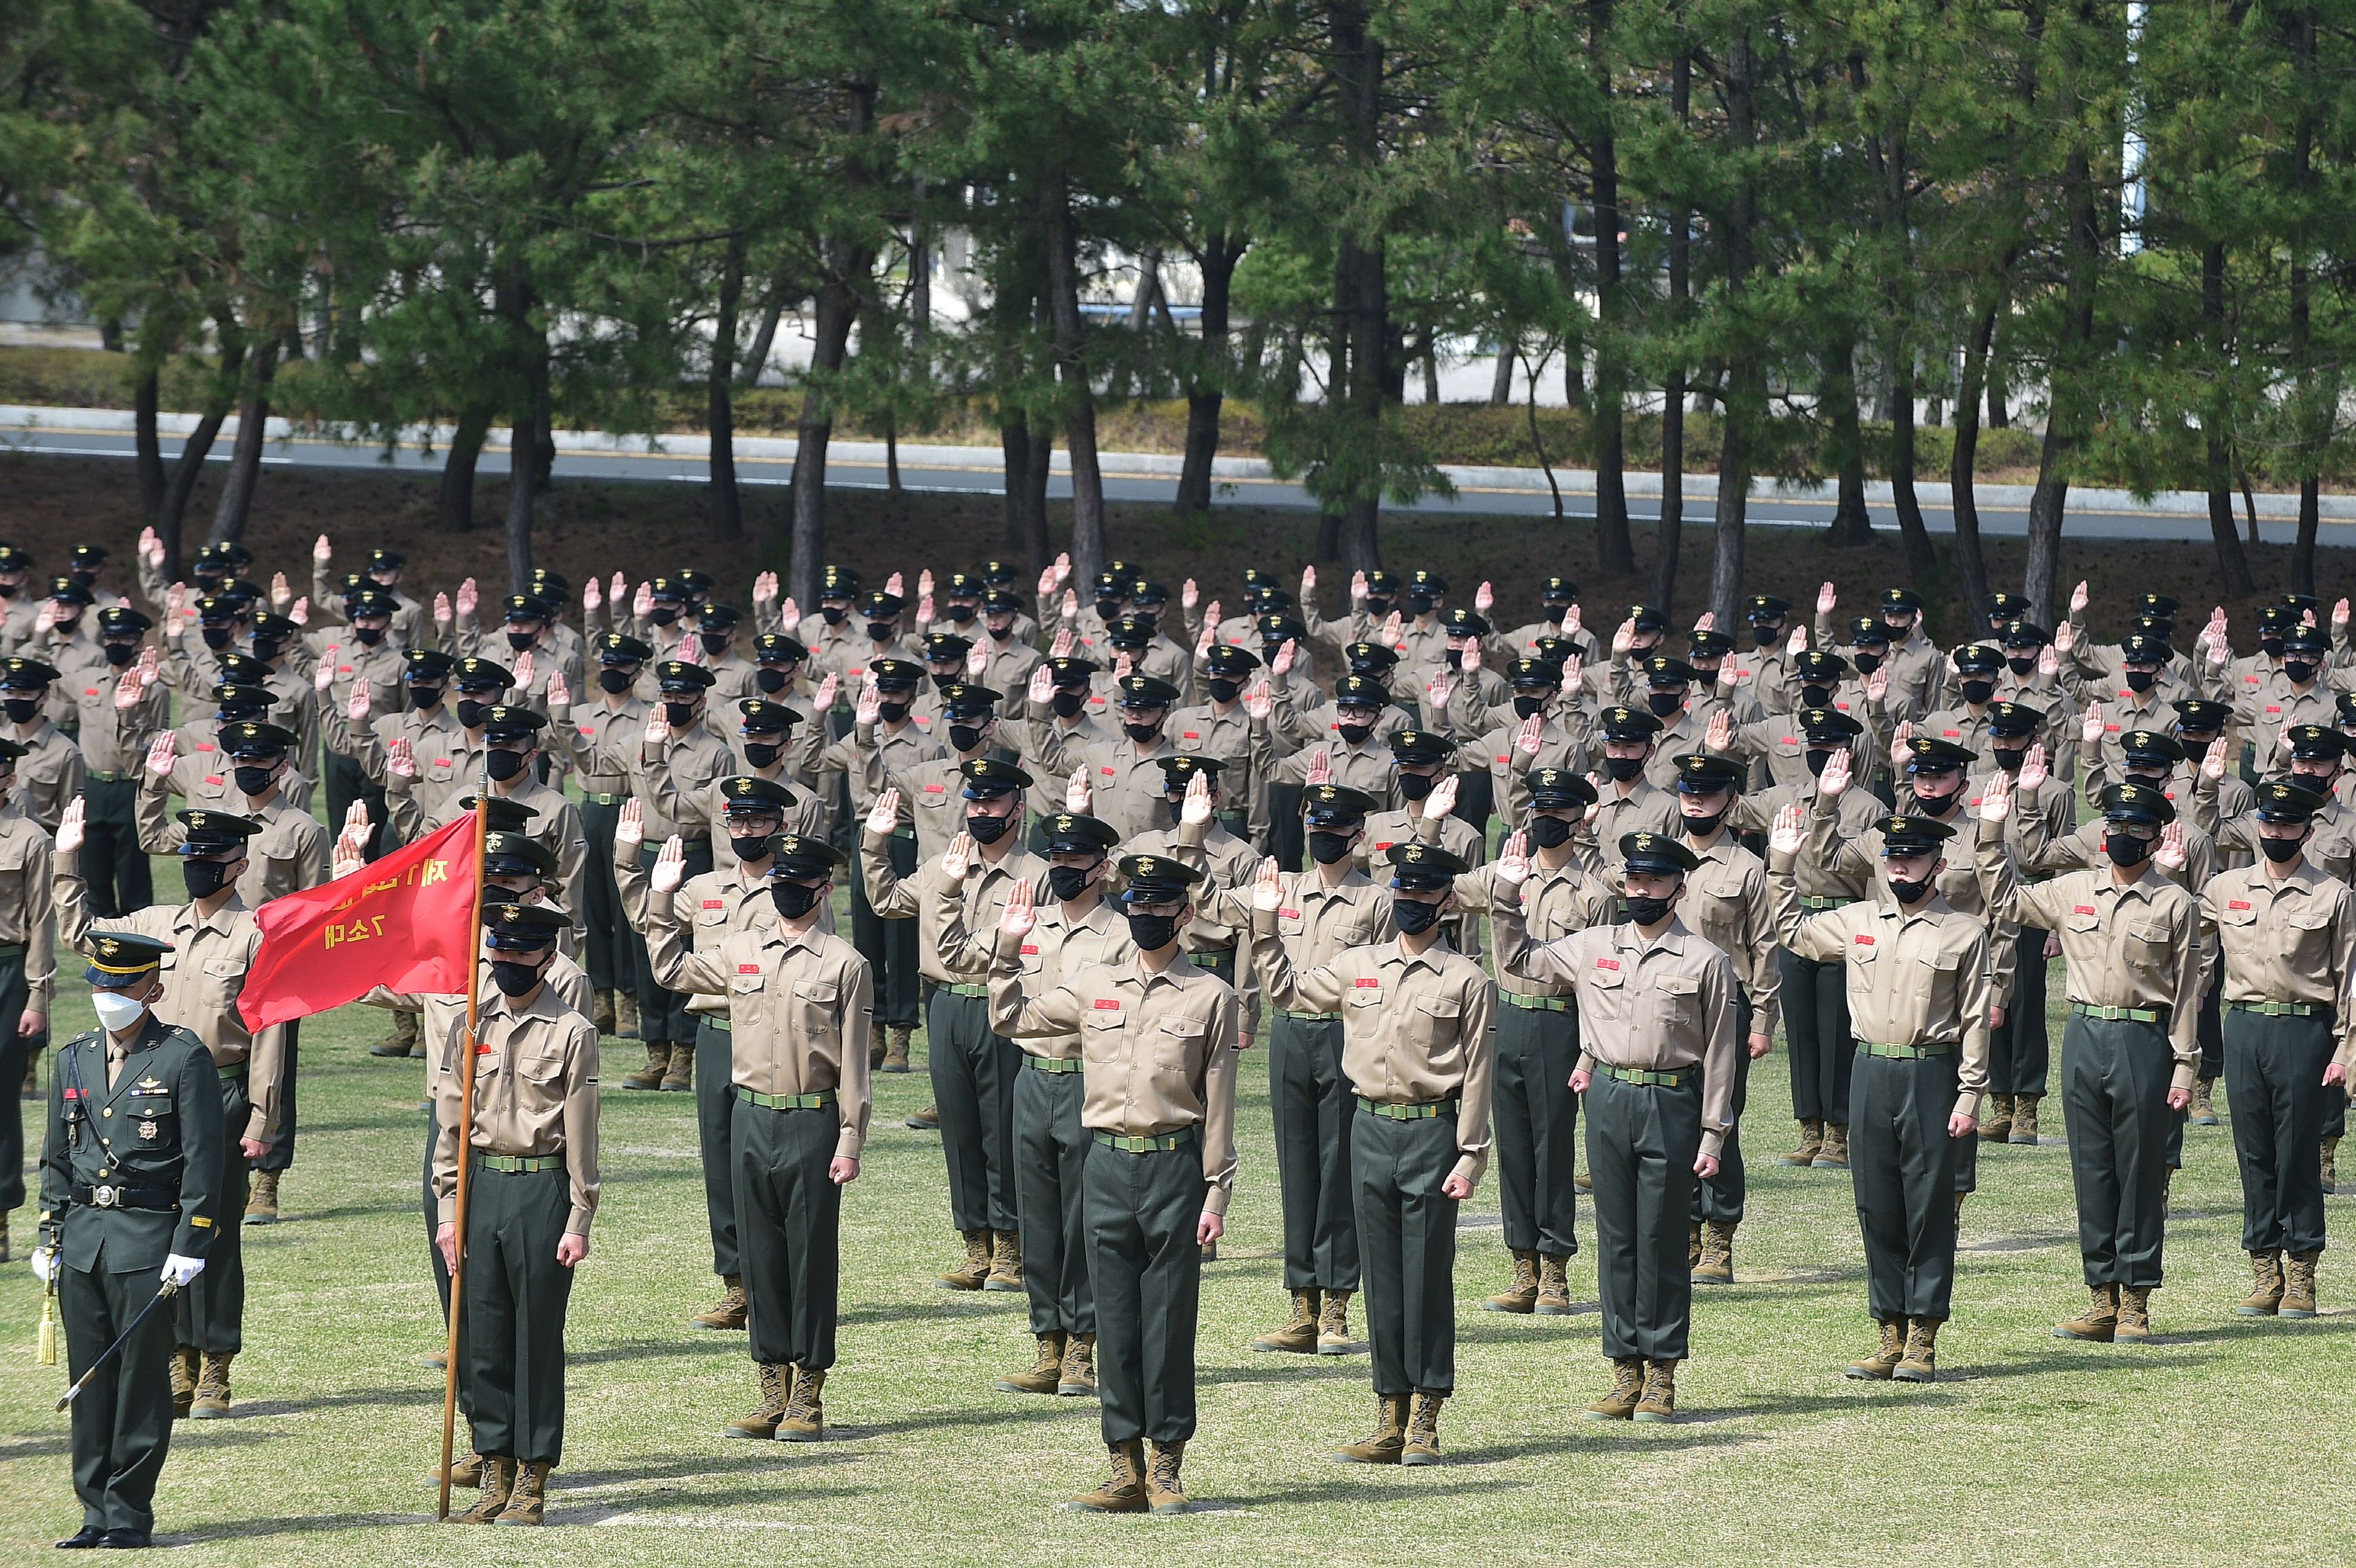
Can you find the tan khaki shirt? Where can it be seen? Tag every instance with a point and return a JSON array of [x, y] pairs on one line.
[[1650, 1006], [690, 762], [604, 741], [1727, 903], [1158, 1052], [48, 776], [1552, 902], [289, 854], [1959, 884], [1056, 947], [1315, 922], [1645, 808], [100, 733], [2286, 939], [26, 902], [441, 1011], [535, 1095], [1416, 1027], [984, 889]]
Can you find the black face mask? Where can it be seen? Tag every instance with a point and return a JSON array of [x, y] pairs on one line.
[[1550, 832], [1703, 826], [616, 681], [1415, 786], [254, 781], [891, 712], [1978, 691], [1142, 733], [519, 641], [761, 754], [2271, 646], [1380, 605], [121, 654], [204, 878], [514, 979], [2142, 679], [216, 637], [831, 615], [1866, 663], [424, 699], [663, 615], [1107, 608], [1936, 804], [962, 613], [1149, 932], [2020, 666], [2126, 849], [1528, 707], [987, 829], [1815, 697], [1355, 734], [678, 715], [714, 643], [2008, 759], [1069, 882], [1624, 768], [1816, 760], [769, 680], [964, 738], [1455, 657], [267, 648], [1647, 911], [1664, 703], [748, 845], [1067, 704], [1912, 893], [1267, 652], [1222, 691], [504, 765], [2299, 672], [793, 900], [2281, 851], [1553, 613], [882, 631], [1763, 636], [470, 712], [1000, 634], [369, 636], [1413, 916], [1420, 604], [1329, 848], [22, 709]]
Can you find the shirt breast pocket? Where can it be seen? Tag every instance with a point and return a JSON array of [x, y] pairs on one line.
[[439, 772], [814, 1006], [142, 1111], [1435, 1022], [1680, 998], [223, 977], [1101, 1041], [1177, 1044], [542, 1067], [2149, 941]]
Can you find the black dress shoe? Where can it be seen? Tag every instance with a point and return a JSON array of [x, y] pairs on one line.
[[90, 1535], [125, 1538]]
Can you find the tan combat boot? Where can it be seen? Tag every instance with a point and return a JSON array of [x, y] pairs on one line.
[[969, 1275], [874, 1053], [2266, 1295], [2099, 1322], [1124, 1492], [1627, 1391], [399, 1041], [1812, 1139], [2330, 1164], [184, 1361], [605, 1018], [1834, 1155], [2134, 1313], [1005, 1263], [1554, 1287], [650, 1076], [896, 1053], [626, 1014], [1333, 1327], [2204, 1113], [1660, 1401], [498, 1485], [466, 1470], [762, 1423], [528, 1504], [1165, 1490], [805, 1417], [1423, 1429], [262, 1202], [1997, 1126], [1693, 1245], [731, 1311], [928, 1120], [2024, 1119], [1300, 1335], [680, 1075], [2298, 1285], [1077, 1377], [1045, 1372], [212, 1402], [1717, 1265], [1523, 1294], [1884, 1362], [1921, 1363], [1387, 1441]]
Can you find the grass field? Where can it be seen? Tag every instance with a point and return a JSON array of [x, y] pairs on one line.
[[2226, 1440]]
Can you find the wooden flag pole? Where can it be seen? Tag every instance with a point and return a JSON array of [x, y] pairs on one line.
[[465, 1143]]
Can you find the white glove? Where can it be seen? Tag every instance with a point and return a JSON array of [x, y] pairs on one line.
[[178, 1271], [44, 1263]]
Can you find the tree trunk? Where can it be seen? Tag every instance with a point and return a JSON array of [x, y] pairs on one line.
[[2310, 523], [190, 464], [1962, 466], [756, 352], [2069, 416], [529, 435], [1431, 370], [1921, 557], [1501, 381], [1014, 449], [1668, 540], [2302, 554], [727, 511], [1089, 546], [1999, 418], [1852, 524], [146, 398], [1615, 552], [454, 505], [838, 307], [1039, 547], [2232, 565], [1362, 298], [1745, 381], [1733, 506], [1206, 398], [245, 458]]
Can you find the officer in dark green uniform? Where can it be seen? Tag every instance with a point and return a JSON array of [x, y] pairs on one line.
[[130, 1178]]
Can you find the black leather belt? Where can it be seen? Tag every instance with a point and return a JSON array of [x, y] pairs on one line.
[[164, 1199]]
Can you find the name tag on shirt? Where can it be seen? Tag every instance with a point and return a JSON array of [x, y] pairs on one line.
[[1290, 913], [1030, 950], [1192, 734], [935, 789], [1367, 985], [2237, 903], [1107, 772], [2082, 908], [1607, 964], [1864, 941], [715, 903], [1107, 1004], [748, 969]]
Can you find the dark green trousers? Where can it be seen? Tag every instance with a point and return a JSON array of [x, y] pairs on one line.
[[2019, 1055], [715, 1102], [1536, 1118], [1313, 1108], [663, 1014], [1050, 1156], [1146, 1268], [613, 953], [1723, 1197], [2274, 1073], [888, 946], [113, 864], [210, 1308], [1642, 1139], [1903, 1165], [123, 1420], [278, 1150], [1476, 798], [512, 1333], [15, 1050], [973, 1073], [1815, 1027], [2114, 1079], [1406, 1238], [1288, 838], [789, 1221]]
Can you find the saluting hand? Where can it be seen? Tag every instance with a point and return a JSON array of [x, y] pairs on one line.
[[70, 831], [1898, 747], [2212, 761], [764, 588], [282, 592], [441, 609], [1018, 917], [2034, 769], [1320, 768], [2090, 733], [1076, 791], [160, 755], [357, 710], [870, 707], [1513, 858], [1788, 835], [977, 659], [1268, 887], [128, 691], [1471, 657], [1834, 781], [827, 691], [324, 677], [1259, 702], [658, 728], [957, 858], [884, 815], [2171, 856], [670, 865], [469, 596], [301, 613], [1877, 684], [630, 827], [1623, 638], [789, 618], [1195, 808], [1720, 733], [2078, 597], [401, 758], [1996, 798], [1484, 599], [1285, 656], [1826, 600], [1441, 800]]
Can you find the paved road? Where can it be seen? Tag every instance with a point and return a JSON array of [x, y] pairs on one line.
[[983, 476]]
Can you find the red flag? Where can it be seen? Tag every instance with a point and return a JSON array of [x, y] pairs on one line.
[[403, 921]]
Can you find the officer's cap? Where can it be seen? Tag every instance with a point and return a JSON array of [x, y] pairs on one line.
[[1420, 867], [1646, 854], [2134, 801], [1336, 806], [1700, 773], [522, 928], [987, 778], [1074, 833]]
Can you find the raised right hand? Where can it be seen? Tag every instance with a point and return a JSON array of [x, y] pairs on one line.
[[1076, 791], [70, 832], [2090, 733], [884, 815], [2033, 769], [2213, 764], [402, 759], [630, 827], [1826, 600], [160, 755], [1995, 796], [1268, 887], [1787, 835], [1514, 859], [670, 865], [1835, 780], [1017, 917], [324, 677]]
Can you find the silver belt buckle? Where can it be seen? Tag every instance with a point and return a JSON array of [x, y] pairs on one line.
[[106, 1197]]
